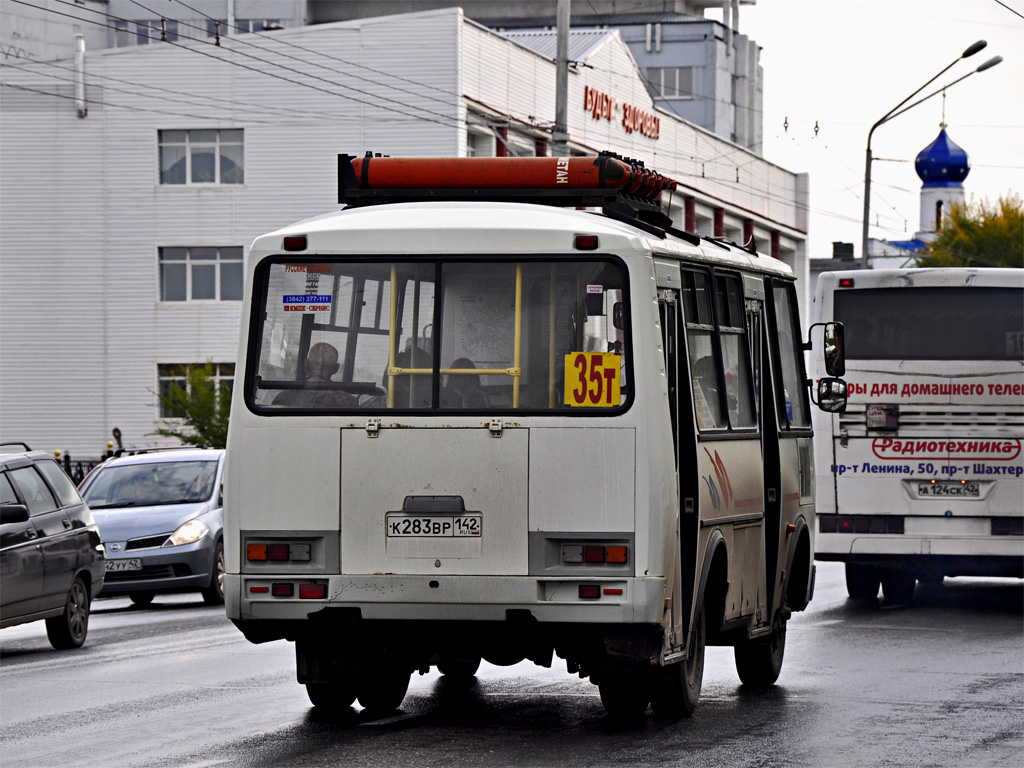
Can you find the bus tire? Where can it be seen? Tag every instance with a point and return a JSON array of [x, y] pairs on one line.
[[759, 661], [625, 697], [458, 669], [676, 688], [898, 586], [330, 696], [861, 581], [383, 693]]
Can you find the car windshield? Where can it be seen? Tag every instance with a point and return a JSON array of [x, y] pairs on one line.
[[153, 483]]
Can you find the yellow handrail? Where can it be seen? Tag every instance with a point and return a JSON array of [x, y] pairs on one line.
[[519, 330], [393, 314]]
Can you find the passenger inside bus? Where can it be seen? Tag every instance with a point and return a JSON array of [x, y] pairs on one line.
[[463, 390], [321, 365]]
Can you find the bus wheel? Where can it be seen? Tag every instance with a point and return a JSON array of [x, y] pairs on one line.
[[898, 586], [330, 696], [861, 581], [459, 669], [626, 697], [677, 687], [383, 693], [759, 661]]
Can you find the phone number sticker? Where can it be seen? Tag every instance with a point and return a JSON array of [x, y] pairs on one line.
[[592, 379]]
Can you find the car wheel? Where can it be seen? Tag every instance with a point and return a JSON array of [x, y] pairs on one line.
[[142, 599], [214, 594], [70, 628]]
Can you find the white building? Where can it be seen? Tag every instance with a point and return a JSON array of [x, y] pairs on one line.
[[121, 230]]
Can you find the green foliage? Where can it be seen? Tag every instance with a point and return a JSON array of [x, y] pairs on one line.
[[980, 235], [203, 408]]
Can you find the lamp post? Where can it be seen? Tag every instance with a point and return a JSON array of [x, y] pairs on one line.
[[895, 111]]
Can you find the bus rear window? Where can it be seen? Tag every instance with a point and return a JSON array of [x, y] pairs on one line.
[[928, 323], [487, 336]]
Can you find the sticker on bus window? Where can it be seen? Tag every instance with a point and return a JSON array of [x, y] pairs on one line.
[[592, 379], [307, 303]]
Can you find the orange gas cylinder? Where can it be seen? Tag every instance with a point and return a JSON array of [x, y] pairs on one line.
[[494, 173]]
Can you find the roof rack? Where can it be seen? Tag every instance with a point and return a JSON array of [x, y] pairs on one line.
[[139, 451], [15, 442], [595, 180]]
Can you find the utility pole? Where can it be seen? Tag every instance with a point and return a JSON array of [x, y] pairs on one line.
[[560, 136]]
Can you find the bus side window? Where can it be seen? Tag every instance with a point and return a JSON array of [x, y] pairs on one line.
[[791, 397], [735, 351], [704, 375]]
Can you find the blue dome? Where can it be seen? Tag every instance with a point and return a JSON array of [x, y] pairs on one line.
[[942, 163]]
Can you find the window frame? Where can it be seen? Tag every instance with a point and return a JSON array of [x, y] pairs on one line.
[[726, 431], [261, 285], [786, 427], [165, 377], [218, 262], [190, 147]]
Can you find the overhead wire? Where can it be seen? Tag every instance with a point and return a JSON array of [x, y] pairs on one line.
[[449, 122]]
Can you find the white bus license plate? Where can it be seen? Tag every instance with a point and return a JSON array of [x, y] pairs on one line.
[[433, 526], [131, 564], [966, 490]]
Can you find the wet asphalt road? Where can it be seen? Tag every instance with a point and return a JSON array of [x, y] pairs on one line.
[[940, 683]]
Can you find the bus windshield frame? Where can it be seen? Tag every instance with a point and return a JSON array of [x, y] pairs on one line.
[[539, 334]]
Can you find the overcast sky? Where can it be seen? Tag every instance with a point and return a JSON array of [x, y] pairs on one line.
[[843, 64]]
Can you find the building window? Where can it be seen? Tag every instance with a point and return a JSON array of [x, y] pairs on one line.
[[201, 274], [176, 374], [670, 82], [479, 144], [202, 157], [127, 33]]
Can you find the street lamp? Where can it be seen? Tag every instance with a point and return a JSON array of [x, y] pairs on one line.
[[896, 111]]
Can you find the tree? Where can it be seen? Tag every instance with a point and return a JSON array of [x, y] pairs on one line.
[[980, 235], [202, 407]]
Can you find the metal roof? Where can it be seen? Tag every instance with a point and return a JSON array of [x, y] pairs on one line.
[[544, 42]]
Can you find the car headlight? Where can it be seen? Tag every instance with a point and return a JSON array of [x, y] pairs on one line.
[[191, 531]]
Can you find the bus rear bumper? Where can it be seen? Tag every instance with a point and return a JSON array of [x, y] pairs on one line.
[[453, 598], [846, 546]]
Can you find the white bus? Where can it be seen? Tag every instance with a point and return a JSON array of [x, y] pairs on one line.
[[474, 424], [920, 478]]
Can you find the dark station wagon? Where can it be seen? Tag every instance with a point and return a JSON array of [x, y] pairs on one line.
[[51, 555]]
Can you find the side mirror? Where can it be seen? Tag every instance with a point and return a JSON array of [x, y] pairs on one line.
[[835, 349], [13, 513], [832, 395]]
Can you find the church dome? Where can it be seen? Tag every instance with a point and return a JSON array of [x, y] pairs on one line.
[[942, 163]]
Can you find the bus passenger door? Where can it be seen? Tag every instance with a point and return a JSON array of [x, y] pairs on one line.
[[761, 362], [685, 441]]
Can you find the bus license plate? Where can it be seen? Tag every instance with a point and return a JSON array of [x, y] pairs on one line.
[[966, 490], [433, 526], [131, 564]]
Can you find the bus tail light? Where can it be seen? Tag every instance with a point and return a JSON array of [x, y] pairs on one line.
[[282, 590], [594, 554], [860, 523], [312, 591], [589, 591], [278, 552]]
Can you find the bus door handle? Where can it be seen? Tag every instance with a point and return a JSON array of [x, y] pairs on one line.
[[688, 506]]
